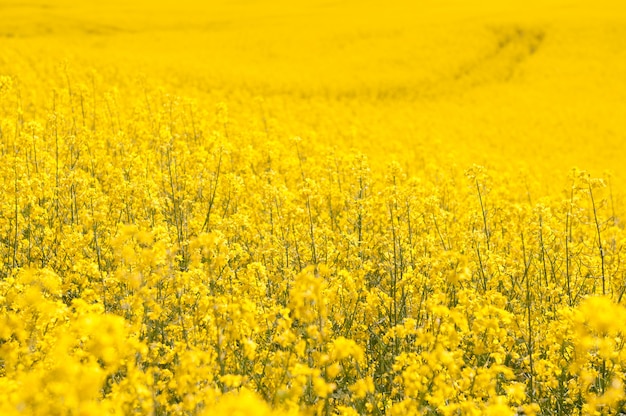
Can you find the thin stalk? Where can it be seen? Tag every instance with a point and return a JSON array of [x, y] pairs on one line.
[[600, 247], [527, 262]]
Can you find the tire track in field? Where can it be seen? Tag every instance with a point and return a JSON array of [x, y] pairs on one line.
[[513, 47]]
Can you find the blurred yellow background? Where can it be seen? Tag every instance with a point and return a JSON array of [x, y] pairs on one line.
[[535, 85]]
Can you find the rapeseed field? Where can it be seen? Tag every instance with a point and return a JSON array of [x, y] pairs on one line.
[[319, 208]]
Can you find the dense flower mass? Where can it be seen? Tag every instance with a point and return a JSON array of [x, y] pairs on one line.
[[286, 217]]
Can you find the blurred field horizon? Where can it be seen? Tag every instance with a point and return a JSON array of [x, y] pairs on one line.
[[470, 78]]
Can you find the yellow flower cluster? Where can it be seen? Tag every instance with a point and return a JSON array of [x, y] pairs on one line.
[[204, 239]]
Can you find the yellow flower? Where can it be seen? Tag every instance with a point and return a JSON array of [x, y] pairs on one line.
[[362, 387]]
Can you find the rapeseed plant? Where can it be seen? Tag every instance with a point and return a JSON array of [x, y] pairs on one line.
[[189, 238]]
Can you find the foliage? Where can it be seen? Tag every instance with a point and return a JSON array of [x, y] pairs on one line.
[[168, 250]]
